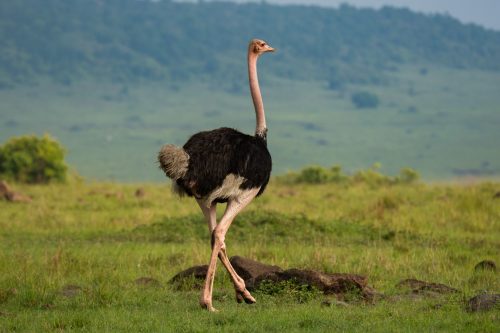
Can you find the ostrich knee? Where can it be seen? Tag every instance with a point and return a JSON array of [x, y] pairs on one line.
[[218, 237]]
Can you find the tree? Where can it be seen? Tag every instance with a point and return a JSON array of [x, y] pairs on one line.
[[31, 159], [365, 100]]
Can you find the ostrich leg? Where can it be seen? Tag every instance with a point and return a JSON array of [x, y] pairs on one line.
[[234, 206], [210, 214], [242, 294]]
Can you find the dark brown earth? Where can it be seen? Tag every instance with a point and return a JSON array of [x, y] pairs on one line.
[[486, 265], [483, 302], [254, 273], [249, 270], [140, 193], [418, 286], [198, 273], [338, 285]]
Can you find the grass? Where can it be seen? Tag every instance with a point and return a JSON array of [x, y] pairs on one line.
[[101, 237], [444, 123]]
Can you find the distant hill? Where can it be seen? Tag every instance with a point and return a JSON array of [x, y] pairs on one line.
[[113, 80], [129, 40]]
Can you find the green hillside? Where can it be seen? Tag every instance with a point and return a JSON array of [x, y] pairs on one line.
[[114, 80], [128, 39]]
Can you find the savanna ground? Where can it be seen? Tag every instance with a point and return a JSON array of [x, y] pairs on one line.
[[101, 238]]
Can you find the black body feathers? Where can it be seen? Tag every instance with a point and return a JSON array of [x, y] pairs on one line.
[[215, 154]]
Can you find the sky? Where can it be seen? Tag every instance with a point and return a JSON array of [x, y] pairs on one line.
[[482, 12]]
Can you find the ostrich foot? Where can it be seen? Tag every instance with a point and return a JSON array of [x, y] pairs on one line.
[[244, 296], [209, 307]]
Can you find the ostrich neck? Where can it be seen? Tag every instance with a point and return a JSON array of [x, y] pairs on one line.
[[260, 129]]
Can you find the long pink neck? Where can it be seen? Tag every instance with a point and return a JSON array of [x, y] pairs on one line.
[[260, 129]]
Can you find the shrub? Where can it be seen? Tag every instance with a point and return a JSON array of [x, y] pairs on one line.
[[371, 176], [408, 176], [365, 100], [32, 159], [314, 174]]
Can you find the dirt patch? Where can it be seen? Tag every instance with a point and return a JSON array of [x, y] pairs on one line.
[[486, 265], [423, 287], [249, 270], [483, 302], [340, 284], [191, 278], [140, 193]]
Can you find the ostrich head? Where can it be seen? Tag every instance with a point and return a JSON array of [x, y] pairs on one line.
[[258, 46]]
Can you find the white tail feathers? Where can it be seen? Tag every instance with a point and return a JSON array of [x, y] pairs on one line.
[[174, 161]]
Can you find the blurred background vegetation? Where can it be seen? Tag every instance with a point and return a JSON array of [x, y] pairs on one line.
[[30, 159], [114, 80]]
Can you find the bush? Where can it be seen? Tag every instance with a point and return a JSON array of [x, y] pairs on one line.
[[30, 159], [408, 176], [314, 174], [365, 100], [371, 176]]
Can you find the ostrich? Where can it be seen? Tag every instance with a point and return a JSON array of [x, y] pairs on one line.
[[223, 166]]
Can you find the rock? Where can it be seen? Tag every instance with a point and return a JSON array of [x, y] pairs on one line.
[[249, 270], [336, 283], [147, 282], [254, 273], [483, 302], [140, 193], [9, 195], [486, 265], [70, 290], [418, 286], [198, 273]]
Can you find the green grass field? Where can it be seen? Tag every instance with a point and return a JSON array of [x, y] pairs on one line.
[[444, 123], [101, 237]]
